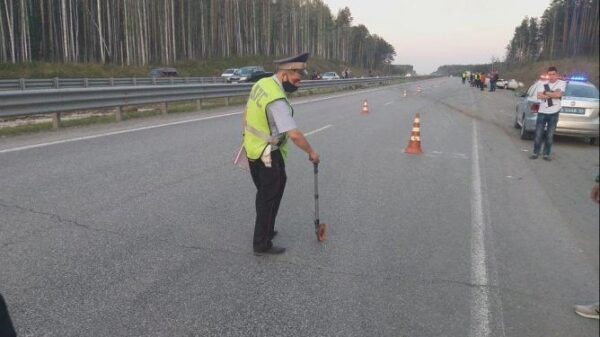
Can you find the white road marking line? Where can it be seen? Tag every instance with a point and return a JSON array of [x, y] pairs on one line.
[[388, 103], [455, 155], [62, 141], [116, 132], [480, 311], [317, 130]]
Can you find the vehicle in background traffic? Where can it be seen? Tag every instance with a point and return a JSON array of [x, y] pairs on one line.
[[249, 74], [513, 84], [228, 73], [163, 72], [330, 75], [501, 83], [578, 114]]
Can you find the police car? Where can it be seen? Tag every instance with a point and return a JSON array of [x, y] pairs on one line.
[[578, 114]]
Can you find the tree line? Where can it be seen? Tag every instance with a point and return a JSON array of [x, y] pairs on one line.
[[567, 28], [141, 32], [458, 69]]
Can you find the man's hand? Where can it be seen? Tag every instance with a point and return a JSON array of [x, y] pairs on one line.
[[314, 157], [595, 193]]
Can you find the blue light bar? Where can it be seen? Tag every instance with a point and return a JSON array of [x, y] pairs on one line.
[[577, 76]]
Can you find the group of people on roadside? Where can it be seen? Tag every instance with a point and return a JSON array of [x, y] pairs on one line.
[[478, 79]]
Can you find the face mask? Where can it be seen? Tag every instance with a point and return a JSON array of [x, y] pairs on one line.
[[289, 87]]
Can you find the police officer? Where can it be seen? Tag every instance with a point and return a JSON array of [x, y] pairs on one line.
[[269, 124]]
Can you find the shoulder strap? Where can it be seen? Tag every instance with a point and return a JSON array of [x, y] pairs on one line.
[[252, 130]]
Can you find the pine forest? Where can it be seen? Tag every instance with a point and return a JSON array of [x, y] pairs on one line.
[[568, 28], [141, 32]]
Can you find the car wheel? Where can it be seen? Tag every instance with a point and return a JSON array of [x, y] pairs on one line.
[[593, 141], [524, 133]]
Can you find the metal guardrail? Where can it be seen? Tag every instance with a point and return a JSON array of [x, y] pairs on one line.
[[32, 102], [59, 83]]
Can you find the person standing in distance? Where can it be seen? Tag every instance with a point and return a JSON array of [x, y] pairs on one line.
[[269, 123], [550, 92]]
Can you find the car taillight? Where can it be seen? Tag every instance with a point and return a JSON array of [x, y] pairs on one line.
[[535, 107]]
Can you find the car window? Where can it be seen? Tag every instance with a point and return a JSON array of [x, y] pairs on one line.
[[228, 71], [580, 90]]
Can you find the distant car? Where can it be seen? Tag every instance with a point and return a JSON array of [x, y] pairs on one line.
[[249, 74], [163, 72], [513, 84], [501, 83], [228, 72], [330, 75], [578, 114]]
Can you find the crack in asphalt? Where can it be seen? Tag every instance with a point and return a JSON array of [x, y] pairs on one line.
[[55, 217], [323, 269]]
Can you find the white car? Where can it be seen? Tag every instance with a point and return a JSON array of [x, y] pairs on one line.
[[330, 76], [228, 73], [513, 84], [501, 83]]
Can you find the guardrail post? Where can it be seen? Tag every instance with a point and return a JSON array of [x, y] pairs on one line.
[[171, 80], [185, 80], [56, 120], [56, 85], [164, 108], [199, 104], [134, 81], [112, 82], [119, 114], [86, 82], [154, 80], [22, 83], [226, 101]]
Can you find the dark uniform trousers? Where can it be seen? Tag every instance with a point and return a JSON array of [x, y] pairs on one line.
[[6, 326], [270, 183]]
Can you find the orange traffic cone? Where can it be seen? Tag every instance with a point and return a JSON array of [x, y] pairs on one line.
[[365, 108], [414, 145]]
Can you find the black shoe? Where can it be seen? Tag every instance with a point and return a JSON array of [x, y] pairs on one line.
[[534, 156], [547, 158], [274, 250], [274, 234]]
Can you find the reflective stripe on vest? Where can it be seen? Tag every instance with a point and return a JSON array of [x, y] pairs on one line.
[[258, 132]]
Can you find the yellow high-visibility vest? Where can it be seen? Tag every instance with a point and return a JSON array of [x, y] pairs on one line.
[[257, 133]]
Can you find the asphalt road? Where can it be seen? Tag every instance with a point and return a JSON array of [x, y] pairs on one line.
[[144, 228]]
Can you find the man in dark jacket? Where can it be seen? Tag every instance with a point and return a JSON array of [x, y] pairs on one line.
[[6, 327]]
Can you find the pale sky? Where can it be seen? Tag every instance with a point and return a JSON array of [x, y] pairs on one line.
[[431, 33]]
